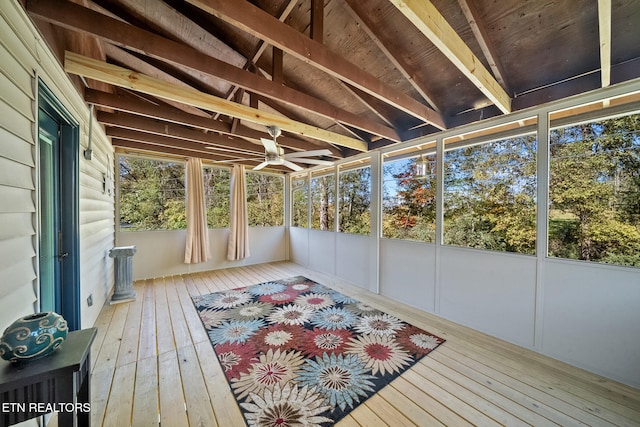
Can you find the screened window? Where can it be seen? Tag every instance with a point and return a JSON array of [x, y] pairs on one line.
[[489, 195], [323, 202], [594, 191], [217, 182], [354, 201], [299, 203], [265, 199], [409, 199], [152, 194]]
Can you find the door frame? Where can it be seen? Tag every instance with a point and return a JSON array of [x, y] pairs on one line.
[[68, 155]]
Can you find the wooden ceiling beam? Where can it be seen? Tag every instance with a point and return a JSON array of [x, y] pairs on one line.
[[261, 46], [166, 147], [167, 113], [77, 18], [171, 150], [470, 11], [259, 23], [168, 141], [183, 152], [118, 55], [317, 20], [604, 29], [157, 127], [122, 77], [424, 15], [384, 40]]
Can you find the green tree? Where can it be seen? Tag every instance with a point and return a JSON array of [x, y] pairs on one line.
[[217, 182], [409, 205], [152, 194], [265, 199], [354, 193], [323, 202], [594, 187], [489, 196], [299, 203]]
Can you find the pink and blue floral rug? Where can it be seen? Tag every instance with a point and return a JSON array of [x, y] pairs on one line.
[[297, 353]]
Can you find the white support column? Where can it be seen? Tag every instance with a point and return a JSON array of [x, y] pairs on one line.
[[376, 221], [439, 221], [542, 221]]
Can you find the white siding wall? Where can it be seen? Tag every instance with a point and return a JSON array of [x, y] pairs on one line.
[[24, 58]]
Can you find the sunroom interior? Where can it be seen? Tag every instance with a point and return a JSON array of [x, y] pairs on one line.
[[469, 166]]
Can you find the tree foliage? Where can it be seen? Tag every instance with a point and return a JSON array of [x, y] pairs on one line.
[[300, 203], [323, 202], [217, 183], [409, 202], [152, 195], [265, 199], [354, 201], [594, 191], [489, 195]]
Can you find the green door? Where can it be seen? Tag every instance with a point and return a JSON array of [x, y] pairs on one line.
[[58, 209], [48, 139]]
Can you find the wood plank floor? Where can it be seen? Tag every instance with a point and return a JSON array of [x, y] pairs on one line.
[[153, 365]]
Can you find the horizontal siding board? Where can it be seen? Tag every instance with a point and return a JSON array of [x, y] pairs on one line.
[[14, 96], [15, 225], [16, 200], [17, 304], [15, 122], [22, 49], [19, 272], [14, 71], [15, 250], [15, 174], [15, 148]]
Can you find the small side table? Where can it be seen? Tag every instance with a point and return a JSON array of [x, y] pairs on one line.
[[61, 381]]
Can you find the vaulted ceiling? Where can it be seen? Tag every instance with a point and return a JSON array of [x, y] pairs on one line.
[[204, 77]]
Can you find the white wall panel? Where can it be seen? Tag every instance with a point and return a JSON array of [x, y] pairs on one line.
[[299, 245], [592, 318], [322, 251], [407, 272], [489, 291], [161, 253], [352, 259]]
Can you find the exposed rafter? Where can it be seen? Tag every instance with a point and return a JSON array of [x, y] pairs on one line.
[[134, 105], [157, 127], [258, 23], [604, 27], [473, 17], [424, 15], [72, 16], [118, 76], [384, 40]]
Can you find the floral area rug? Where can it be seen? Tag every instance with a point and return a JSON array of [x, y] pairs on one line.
[[297, 353]]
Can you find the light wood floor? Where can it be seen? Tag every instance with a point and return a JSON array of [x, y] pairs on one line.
[[153, 365]]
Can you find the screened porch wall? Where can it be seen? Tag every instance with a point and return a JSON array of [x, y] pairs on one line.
[[583, 313]]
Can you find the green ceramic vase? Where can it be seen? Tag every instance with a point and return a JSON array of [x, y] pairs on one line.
[[33, 336]]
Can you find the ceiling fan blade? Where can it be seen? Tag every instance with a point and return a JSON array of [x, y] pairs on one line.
[[310, 153], [260, 166], [270, 146], [312, 161], [293, 166]]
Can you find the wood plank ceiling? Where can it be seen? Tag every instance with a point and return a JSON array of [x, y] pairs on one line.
[[204, 77]]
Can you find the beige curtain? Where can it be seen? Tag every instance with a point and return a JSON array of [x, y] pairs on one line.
[[239, 225], [197, 247]]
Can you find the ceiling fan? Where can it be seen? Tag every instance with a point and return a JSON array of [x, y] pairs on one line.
[[274, 154]]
